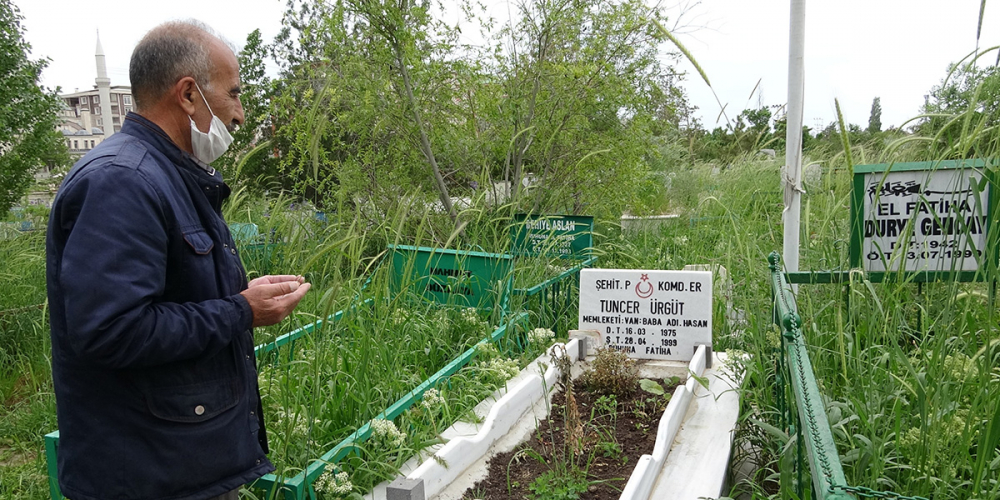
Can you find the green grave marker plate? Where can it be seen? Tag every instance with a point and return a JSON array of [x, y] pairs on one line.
[[924, 217], [469, 279], [569, 236]]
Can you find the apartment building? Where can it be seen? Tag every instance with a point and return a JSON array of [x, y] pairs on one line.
[[81, 120]]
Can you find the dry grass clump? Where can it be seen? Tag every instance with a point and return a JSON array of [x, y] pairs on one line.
[[611, 372]]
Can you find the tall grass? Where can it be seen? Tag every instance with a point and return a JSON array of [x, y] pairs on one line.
[[27, 404], [346, 372], [323, 387], [908, 371]]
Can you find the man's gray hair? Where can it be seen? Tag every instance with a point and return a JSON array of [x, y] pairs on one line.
[[169, 52]]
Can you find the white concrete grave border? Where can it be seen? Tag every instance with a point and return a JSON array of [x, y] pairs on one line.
[[690, 456]]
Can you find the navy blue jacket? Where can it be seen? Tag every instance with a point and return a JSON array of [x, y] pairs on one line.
[[152, 349]]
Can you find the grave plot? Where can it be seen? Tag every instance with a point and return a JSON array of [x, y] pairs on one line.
[[479, 460], [670, 432], [550, 252], [351, 397]]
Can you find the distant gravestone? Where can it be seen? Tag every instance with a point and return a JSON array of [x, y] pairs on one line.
[[812, 174], [723, 289], [648, 314]]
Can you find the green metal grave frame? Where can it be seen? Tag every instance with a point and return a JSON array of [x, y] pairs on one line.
[[808, 422], [453, 277], [299, 487], [494, 272], [555, 294], [255, 249], [820, 450], [815, 441], [569, 237]]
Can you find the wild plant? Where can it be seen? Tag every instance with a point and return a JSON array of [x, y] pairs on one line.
[[611, 372]]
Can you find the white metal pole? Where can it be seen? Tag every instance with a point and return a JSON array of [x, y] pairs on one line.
[[793, 134]]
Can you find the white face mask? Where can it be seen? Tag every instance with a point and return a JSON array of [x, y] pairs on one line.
[[209, 146]]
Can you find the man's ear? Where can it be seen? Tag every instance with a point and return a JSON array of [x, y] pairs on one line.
[[184, 93]]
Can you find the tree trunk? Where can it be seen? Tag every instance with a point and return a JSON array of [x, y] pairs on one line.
[[425, 143]]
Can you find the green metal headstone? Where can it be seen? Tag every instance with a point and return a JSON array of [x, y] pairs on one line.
[[469, 279], [568, 236]]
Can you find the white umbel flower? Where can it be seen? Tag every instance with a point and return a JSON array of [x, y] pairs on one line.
[[431, 399], [387, 431], [336, 484], [540, 336]]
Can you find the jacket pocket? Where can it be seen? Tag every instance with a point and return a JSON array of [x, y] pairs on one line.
[[194, 402], [199, 240]]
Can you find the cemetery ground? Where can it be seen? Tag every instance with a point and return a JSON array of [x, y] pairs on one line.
[[907, 371], [599, 425]]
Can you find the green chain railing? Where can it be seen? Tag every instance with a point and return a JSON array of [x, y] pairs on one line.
[[808, 422]]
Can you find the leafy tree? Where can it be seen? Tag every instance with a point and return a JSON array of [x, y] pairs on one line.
[[875, 117], [750, 132], [572, 92], [582, 91], [753, 129], [249, 150], [345, 125], [403, 26], [28, 138], [777, 142], [757, 120], [963, 112]]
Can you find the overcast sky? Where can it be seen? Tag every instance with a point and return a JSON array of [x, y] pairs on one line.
[[855, 49]]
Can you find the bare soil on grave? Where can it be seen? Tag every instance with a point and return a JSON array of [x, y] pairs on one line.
[[634, 429]]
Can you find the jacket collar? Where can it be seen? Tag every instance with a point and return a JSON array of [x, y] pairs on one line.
[[141, 128]]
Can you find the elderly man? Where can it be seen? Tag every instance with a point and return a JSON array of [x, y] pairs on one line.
[[151, 313]]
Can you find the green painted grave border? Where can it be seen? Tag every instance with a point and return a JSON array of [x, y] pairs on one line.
[[814, 436], [299, 487], [814, 429]]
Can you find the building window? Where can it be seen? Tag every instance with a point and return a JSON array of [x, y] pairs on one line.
[[128, 109], [100, 122], [91, 144], [128, 100], [83, 100], [97, 110], [97, 99], [76, 145]]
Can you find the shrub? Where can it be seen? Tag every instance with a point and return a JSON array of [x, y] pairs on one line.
[[611, 372]]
